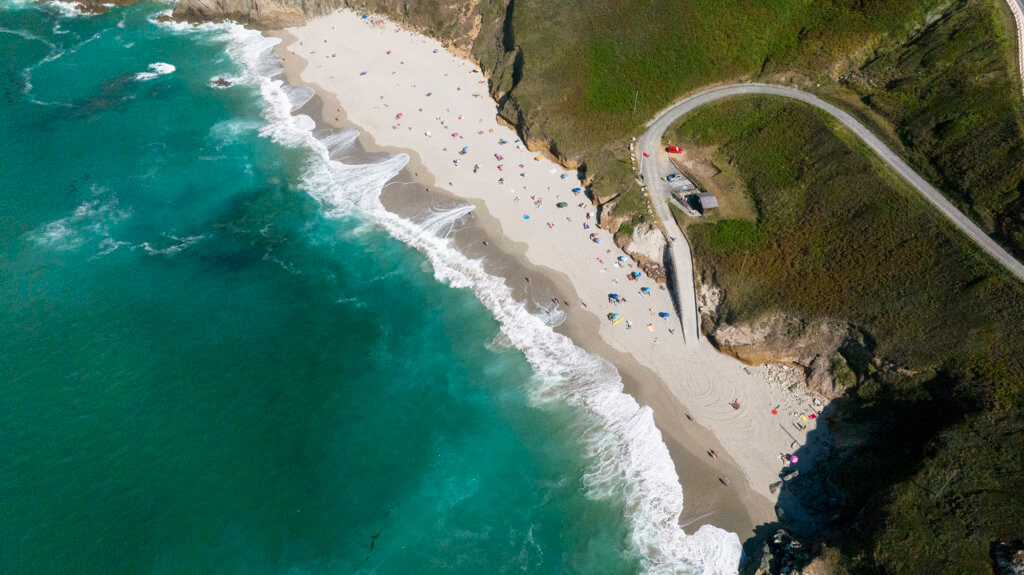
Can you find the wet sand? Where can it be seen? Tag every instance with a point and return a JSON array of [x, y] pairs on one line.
[[687, 389]]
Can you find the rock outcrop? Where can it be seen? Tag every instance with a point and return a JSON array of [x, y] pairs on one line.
[[266, 14], [647, 248], [813, 346]]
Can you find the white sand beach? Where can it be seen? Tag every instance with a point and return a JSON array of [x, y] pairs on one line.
[[408, 93]]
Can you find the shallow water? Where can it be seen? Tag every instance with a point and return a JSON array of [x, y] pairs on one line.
[[217, 357]]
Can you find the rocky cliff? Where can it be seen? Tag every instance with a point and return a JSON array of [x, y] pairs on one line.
[[267, 14]]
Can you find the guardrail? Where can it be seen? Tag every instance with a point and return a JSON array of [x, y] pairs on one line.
[[1018, 16]]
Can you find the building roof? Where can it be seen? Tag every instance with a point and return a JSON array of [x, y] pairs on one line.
[[707, 200]]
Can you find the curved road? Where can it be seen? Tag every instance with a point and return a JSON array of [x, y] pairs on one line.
[[658, 164]]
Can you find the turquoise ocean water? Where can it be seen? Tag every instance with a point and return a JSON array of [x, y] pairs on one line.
[[218, 357]]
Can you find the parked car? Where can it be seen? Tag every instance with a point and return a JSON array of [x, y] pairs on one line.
[[673, 177], [674, 150]]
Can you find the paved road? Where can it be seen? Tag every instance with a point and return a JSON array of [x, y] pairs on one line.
[[1017, 7], [657, 165]]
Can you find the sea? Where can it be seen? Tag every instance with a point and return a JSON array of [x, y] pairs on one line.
[[219, 353]]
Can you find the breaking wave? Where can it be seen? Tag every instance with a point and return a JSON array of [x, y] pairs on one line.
[[155, 69], [630, 460]]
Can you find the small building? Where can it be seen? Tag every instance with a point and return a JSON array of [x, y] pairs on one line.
[[707, 201]]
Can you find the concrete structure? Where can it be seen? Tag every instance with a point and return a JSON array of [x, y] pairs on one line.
[[707, 201], [650, 142]]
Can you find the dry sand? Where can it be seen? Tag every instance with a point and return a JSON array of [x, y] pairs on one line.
[[444, 106]]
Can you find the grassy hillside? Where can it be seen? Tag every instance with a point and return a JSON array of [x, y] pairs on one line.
[[837, 235], [936, 77], [954, 94]]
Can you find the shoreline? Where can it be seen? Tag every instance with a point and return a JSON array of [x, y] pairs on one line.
[[739, 507], [506, 259]]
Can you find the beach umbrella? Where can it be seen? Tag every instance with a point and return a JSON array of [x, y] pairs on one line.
[[398, 116], [562, 205], [526, 216], [455, 134], [793, 459], [663, 314], [435, 50], [613, 316], [613, 296], [636, 274], [465, 148], [363, 73], [577, 190], [622, 258], [645, 289], [564, 176], [538, 158]]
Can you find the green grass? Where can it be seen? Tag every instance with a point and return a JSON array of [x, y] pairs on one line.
[[587, 64], [837, 236], [939, 75], [954, 95]]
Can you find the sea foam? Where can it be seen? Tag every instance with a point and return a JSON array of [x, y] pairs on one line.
[[155, 69], [630, 458]]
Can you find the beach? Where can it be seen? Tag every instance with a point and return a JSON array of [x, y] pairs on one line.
[[407, 94]]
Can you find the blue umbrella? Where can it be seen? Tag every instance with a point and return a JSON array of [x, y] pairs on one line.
[[577, 190], [645, 289], [636, 274], [663, 314], [613, 296], [622, 258]]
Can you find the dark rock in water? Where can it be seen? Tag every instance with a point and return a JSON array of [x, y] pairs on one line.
[[220, 83], [164, 18], [1007, 558], [781, 555]]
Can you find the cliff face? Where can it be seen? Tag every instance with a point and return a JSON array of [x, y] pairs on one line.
[[267, 14]]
